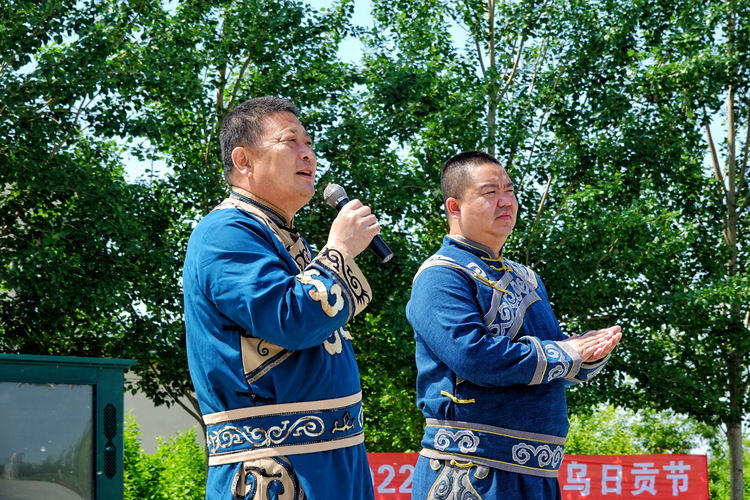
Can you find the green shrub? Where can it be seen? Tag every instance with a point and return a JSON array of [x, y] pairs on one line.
[[176, 470], [718, 469], [609, 430]]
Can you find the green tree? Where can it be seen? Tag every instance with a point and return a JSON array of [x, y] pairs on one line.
[[598, 109], [69, 227], [658, 234], [83, 252], [603, 112], [90, 263], [377, 149], [237, 51]]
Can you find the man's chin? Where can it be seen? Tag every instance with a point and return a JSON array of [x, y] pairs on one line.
[[305, 195]]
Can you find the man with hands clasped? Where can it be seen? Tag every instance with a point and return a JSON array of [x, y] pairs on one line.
[[492, 362]]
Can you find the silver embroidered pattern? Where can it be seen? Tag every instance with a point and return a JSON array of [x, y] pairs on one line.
[[522, 286], [477, 269], [595, 372], [231, 435], [545, 456], [467, 441], [439, 258], [555, 353], [524, 272], [453, 483], [512, 308], [508, 312]]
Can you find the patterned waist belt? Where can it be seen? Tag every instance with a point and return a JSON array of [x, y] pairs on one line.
[[284, 429], [495, 447]]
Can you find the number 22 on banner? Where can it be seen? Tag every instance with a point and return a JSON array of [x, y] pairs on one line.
[[392, 475]]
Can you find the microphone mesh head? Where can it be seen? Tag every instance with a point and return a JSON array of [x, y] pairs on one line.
[[333, 194]]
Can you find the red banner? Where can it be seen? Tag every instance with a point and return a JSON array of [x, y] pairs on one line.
[[631, 476], [594, 477]]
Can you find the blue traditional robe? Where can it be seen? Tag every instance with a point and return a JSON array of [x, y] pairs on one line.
[[270, 358], [491, 377]]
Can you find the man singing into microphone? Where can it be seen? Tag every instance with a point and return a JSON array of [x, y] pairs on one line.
[[269, 355]]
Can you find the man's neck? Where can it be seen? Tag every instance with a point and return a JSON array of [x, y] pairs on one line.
[[249, 197]]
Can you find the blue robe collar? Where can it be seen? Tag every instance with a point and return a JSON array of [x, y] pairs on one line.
[[471, 246]]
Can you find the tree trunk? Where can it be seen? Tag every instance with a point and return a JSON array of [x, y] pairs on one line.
[[737, 389], [736, 477], [492, 97]]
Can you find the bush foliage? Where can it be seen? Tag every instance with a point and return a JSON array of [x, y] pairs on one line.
[[176, 470]]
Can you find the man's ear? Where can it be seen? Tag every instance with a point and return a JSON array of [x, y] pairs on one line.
[[241, 160], [453, 208]]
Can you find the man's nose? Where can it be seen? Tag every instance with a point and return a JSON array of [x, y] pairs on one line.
[[307, 153]]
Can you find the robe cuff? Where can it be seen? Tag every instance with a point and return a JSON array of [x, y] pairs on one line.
[[340, 265], [588, 370]]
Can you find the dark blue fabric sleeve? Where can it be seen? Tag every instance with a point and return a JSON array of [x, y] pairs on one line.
[[246, 272]]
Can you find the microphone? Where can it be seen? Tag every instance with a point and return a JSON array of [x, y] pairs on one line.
[[336, 197]]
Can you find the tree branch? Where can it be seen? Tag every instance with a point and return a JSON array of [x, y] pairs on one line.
[[192, 409], [237, 83], [539, 61], [491, 32], [545, 113], [731, 149], [175, 399], [714, 156], [513, 70], [540, 208], [743, 167], [475, 31], [64, 140]]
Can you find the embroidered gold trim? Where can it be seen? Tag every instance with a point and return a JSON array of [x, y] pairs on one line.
[[489, 283], [460, 465], [456, 400]]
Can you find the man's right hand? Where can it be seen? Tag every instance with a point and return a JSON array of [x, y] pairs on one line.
[[354, 228], [595, 344]]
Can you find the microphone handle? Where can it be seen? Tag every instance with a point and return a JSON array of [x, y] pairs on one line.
[[380, 248], [377, 245]]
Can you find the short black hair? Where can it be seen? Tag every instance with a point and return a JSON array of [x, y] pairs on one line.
[[455, 175], [243, 125]]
